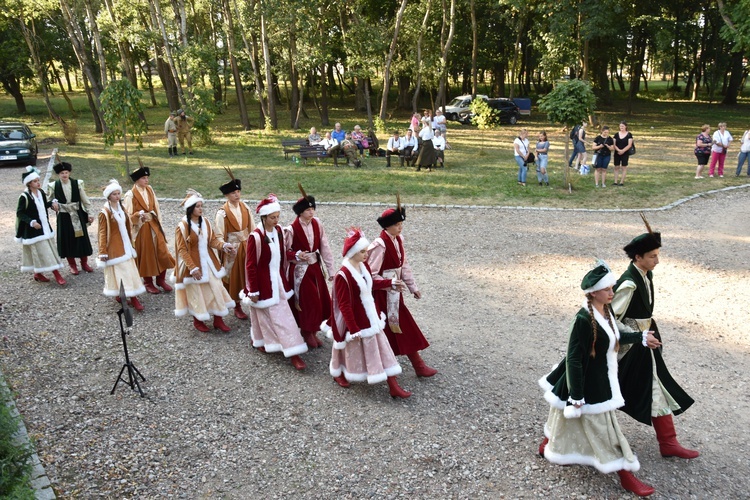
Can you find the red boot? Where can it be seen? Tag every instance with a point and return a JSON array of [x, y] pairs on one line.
[[341, 380], [220, 325], [667, 437], [633, 485], [73, 266], [136, 304], [543, 446], [85, 265], [40, 278], [238, 312], [420, 368], [162, 282], [320, 342], [149, 284], [298, 363], [310, 339], [58, 277], [200, 325], [396, 390]]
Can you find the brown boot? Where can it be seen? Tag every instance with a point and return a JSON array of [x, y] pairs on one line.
[[148, 282], [238, 312], [85, 265], [136, 304], [58, 277], [633, 485], [396, 390], [420, 368], [73, 266], [220, 325], [160, 281], [667, 437], [297, 363]]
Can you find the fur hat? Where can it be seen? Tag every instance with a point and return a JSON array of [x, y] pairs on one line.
[[268, 205], [303, 203], [231, 186], [111, 187], [63, 165], [643, 243], [355, 241], [393, 216], [599, 278], [30, 174], [191, 198], [143, 171]]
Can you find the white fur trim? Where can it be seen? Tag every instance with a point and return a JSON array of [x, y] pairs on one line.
[[270, 208], [361, 244], [128, 293], [295, 350], [28, 269], [111, 188], [578, 459], [32, 176], [206, 262], [364, 282], [276, 279], [36, 239], [119, 215], [607, 281], [191, 201], [571, 411]]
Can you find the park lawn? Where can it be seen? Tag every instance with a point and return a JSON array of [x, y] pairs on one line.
[[480, 167]]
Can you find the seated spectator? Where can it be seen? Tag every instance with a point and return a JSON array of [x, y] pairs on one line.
[[438, 142], [395, 146], [314, 138], [350, 151], [410, 150], [330, 144], [360, 140], [338, 133]]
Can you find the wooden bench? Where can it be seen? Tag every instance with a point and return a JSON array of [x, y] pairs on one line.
[[292, 146], [318, 153]]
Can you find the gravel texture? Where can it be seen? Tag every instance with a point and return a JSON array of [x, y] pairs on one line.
[[500, 287]]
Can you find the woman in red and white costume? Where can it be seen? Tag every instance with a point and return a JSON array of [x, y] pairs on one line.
[[307, 251], [266, 290], [387, 261], [361, 351]]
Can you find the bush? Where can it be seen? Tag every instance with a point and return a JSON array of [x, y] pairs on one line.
[[15, 467]]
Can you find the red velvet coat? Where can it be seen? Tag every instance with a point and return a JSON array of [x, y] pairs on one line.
[[264, 270]]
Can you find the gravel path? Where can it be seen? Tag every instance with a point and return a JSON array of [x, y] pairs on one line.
[[222, 420]]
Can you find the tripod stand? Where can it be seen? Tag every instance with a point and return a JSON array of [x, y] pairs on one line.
[[133, 372]]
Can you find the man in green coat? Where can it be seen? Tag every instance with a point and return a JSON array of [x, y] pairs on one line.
[[651, 394]]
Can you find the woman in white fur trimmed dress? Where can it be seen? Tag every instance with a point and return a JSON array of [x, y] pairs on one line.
[[267, 292], [584, 393], [116, 252], [198, 273], [361, 352]]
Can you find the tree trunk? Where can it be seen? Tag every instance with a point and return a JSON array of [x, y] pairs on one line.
[[733, 87], [97, 42], [516, 56], [56, 73], [269, 74], [181, 18], [40, 70], [13, 87], [389, 60], [252, 52], [98, 122], [229, 18], [159, 21], [417, 88], [442, 91], [370, 122], [404, 100], [676, 55], [474, 49], [324, 119], [294, 102], [125, 55], [360, 100], [149, 80]]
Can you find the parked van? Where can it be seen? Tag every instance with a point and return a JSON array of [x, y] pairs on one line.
[[459, 105]]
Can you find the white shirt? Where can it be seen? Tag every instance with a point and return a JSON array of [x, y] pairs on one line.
[[394, 143], [745, 146], [426, 133], [328, 143], [439, 143], [411, 142], [523, 147], [723, 140]]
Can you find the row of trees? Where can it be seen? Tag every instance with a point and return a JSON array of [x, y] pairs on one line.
[[311, 52]]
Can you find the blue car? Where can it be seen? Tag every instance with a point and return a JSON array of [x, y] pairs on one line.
[[17, 144]]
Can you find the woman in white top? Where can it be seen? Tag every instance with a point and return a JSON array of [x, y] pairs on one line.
[[744, 153], [721, 140], [438, 142], [521, 148], [427, 156]]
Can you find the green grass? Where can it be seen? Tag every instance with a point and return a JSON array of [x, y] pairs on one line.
[[662, 171], [15, 469]]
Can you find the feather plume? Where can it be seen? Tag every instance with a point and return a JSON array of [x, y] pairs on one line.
[[57, 158], [648, 226], [190, 192], [140, 162], [229, 171], [398, 202], [302, 190]]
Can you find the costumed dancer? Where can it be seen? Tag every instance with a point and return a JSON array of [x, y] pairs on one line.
[[361, 352], [388, 261], [651, 394], [116, 253], [308, 251], [73, 218], [150, 241], [266, 291], [583, 391], [198, 272], [34, 231], [234, 223]]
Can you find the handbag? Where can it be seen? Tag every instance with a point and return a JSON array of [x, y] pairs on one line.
[[631, 151], [530, 160]]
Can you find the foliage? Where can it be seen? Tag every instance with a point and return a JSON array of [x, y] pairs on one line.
[[121, 107], [380, 125], [569, 103], [15, 468], [202, 108], [485, 117]]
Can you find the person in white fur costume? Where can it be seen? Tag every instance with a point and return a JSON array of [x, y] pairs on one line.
[[198, 272], [361, 352]]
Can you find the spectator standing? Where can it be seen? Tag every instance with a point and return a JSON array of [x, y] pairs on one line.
[[427, 156], [314, 138], [414, 124], [521, 149], [721, 140], [338, 133], [623, 144], [744, 153], [578, 157], [542, 150], [170, 128], [603, 147], [395, 146], [184, 133], [703, 149]]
